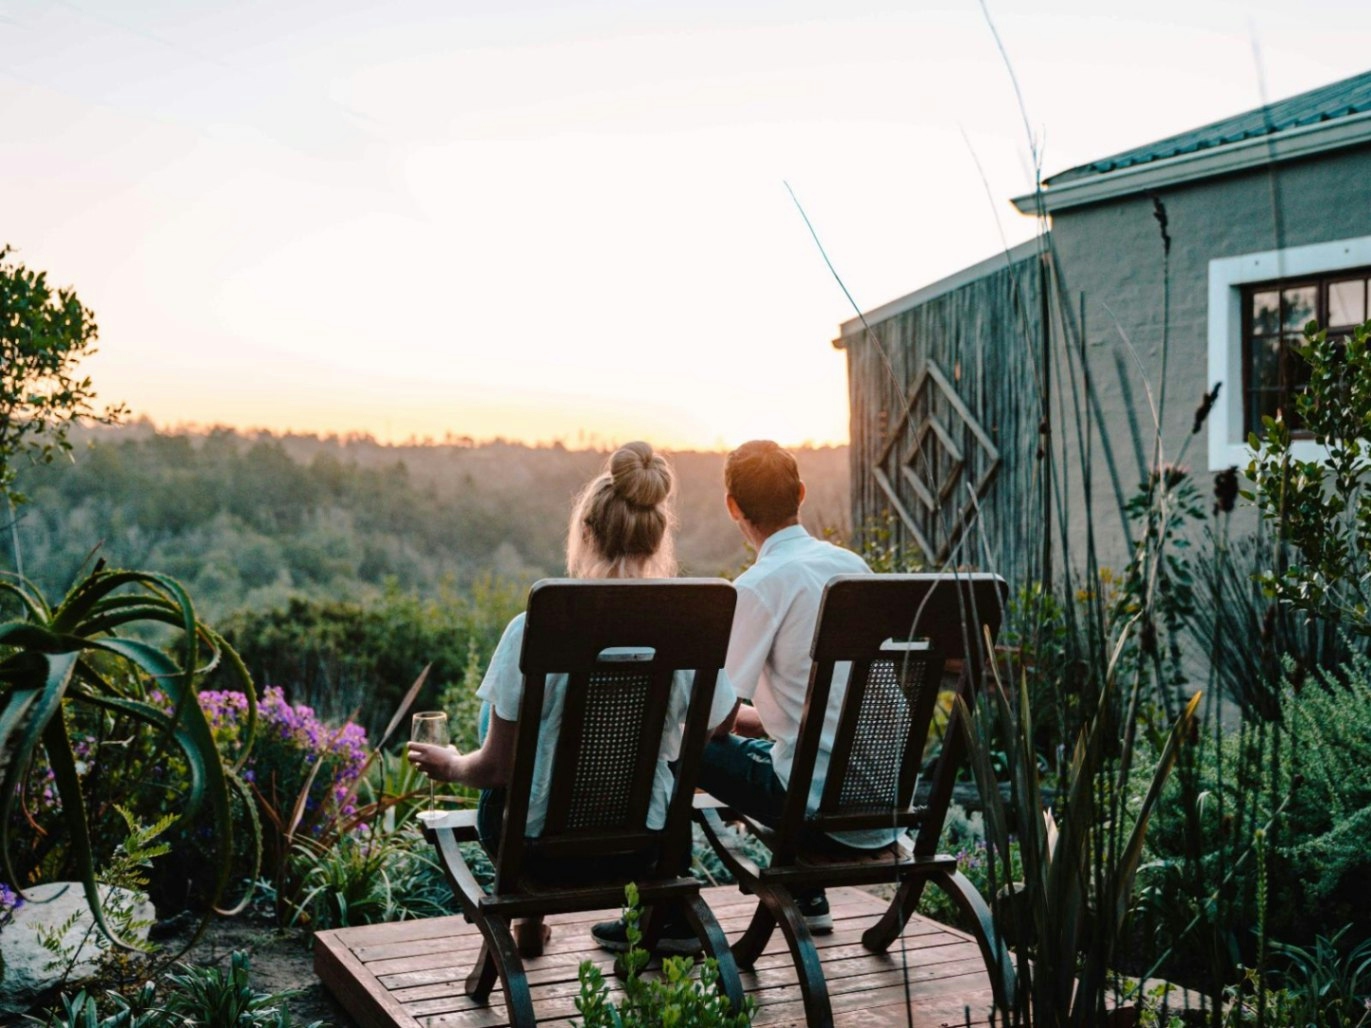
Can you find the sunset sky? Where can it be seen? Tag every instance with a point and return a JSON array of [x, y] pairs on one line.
[[565, 220]]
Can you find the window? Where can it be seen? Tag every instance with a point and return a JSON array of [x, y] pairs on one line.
[[1274, 316], [1258, 306]]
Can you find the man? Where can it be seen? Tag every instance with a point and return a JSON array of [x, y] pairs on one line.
[[768, 654], [768, 659]]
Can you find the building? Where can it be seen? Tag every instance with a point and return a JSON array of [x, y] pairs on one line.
[[1019, 392]]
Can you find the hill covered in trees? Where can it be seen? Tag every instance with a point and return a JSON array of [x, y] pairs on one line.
[[250, 521]]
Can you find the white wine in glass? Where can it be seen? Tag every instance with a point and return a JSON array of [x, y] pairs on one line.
[[429, 726]]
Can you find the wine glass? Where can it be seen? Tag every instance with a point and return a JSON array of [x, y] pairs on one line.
[[429, 726]]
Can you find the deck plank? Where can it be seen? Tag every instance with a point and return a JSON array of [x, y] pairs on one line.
[[410, 974]]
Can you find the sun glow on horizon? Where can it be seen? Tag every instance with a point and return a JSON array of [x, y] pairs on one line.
[[556, 223]]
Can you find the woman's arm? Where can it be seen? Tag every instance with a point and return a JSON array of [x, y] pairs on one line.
[[486, 768]]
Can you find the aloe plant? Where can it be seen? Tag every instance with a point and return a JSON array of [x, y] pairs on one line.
[[84, 653]]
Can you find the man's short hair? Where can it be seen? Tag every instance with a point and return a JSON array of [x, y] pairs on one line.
[[764, 480]]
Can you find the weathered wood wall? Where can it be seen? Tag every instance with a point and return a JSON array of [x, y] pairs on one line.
[[946, 399]]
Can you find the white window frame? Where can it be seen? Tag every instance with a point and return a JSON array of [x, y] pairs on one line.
[[1227, 276]]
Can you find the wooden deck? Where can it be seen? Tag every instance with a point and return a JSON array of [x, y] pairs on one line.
[[410, 973]]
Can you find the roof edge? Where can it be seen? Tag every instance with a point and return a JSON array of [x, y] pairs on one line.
[[1245, 154], [855, 326]]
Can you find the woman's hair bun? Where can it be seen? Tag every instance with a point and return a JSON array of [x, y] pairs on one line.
[[641, 477]]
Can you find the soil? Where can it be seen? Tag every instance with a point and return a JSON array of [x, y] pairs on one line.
[[281, 961]]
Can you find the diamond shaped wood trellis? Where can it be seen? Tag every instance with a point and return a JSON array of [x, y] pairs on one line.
[[934, 452]]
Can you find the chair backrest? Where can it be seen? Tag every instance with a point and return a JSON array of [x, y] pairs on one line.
[[896, 633], [619, 643]]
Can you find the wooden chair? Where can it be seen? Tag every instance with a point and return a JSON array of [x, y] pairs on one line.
[[618, 643], [897, 631]]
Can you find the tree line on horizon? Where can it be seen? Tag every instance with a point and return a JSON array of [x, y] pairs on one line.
[[254, 520]]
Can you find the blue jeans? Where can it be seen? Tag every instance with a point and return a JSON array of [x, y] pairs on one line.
[[738, 771]]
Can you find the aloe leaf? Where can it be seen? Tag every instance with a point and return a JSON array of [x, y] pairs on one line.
[[58, 748], [242, 679], [51, 675], [29, 636], [179, 686], [24, 592], [250, 806], [14, 714], [162, 722]]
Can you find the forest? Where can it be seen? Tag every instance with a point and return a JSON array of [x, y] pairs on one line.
[[340, 566]]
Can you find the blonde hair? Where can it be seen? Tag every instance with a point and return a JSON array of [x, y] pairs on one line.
[[621, 523]]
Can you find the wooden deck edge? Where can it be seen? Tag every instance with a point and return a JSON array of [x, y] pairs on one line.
[[345, 977]]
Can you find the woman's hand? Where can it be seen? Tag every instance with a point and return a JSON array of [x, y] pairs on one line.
[[485, 768], [438, 762]]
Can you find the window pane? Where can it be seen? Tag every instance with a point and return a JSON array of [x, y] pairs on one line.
[[1266, 364], [1347, 302], [1261, 403], [1297, 306], [1266, 313], [1296, 367]]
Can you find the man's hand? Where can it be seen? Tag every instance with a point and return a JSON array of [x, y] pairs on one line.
[[748, 724], [438, 762]]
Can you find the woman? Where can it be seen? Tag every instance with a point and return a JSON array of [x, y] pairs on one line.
[[620, 527]]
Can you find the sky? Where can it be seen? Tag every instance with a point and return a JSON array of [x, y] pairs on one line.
[[567, 220]]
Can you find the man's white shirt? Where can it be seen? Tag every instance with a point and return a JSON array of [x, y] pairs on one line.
[[768, 654]]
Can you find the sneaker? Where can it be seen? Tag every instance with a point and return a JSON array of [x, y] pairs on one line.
[[814, 909], [678, 939]]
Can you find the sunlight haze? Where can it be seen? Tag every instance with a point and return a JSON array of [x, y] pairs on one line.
[[564, 221]]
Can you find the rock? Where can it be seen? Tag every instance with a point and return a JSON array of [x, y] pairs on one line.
[[26, 975]]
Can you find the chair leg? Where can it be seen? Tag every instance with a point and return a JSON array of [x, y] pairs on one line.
[[879, 936], [808, 969], [499, 958], [702, 919], [482, 978], [1003, 978], [751, 943]]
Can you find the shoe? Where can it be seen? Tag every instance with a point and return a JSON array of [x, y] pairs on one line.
[[677, 939], [814, 909]]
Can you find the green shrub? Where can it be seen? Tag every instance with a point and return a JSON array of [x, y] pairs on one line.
[[367, 877], [1309, 776], [347, 659], [1320, 508]]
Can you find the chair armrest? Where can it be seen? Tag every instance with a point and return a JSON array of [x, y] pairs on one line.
[[446, 833], [462, 822]]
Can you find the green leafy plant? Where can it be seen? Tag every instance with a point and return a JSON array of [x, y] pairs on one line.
[[83, 1011], [215, 997], [674, 999], [1067, 914], [204, 996], [1308, 779], [1320, 507], [368, 877], [126, 875], [82, 657], [1330, 981]]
